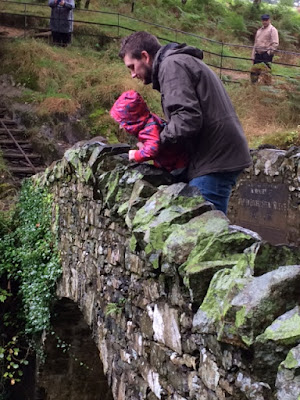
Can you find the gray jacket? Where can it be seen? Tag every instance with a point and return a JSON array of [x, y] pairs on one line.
[[200, 114], [61, 16]]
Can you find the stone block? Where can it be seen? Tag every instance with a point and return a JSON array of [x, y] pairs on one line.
[[186, 236], [262, 300], [166, 327], [211, 254]]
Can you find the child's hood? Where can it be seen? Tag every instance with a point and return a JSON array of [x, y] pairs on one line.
[[131, 112]]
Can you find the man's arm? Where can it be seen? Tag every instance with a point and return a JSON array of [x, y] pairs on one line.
[[274, 41], [180, 102]]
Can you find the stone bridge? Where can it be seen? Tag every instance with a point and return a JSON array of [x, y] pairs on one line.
[[161, 296]]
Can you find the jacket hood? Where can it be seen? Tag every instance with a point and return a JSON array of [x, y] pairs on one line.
[[130, 111], [170, 50]]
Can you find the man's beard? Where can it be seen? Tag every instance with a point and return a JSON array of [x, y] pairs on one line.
[[148, 75]]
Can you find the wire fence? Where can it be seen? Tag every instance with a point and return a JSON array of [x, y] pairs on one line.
[[232, 61]]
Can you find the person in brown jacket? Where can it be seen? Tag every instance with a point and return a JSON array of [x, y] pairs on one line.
[[200, 115]]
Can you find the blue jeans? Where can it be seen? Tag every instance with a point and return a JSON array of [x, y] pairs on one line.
[[216, 187]]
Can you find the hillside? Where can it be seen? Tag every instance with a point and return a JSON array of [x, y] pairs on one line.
[[80, 83]]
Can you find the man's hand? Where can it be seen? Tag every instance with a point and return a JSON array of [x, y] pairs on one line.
[[131, 154]]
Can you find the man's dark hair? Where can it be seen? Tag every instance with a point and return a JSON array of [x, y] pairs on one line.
[[134, 44]]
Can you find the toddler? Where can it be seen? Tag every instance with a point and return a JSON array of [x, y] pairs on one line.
[[132, 114]]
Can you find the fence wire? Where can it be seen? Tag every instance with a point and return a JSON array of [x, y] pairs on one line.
[[117, 25]]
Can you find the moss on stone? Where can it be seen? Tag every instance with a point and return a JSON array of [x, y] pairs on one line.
[[290, 362], [132, 243], [240, 317], [112, 186], [223, 287], [283, 331], [187, 235]]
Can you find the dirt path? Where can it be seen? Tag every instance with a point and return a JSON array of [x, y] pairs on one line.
[[8, 32]]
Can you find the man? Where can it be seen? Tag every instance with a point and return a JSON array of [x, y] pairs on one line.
[[200, 115], [61, 21], [266, 42]]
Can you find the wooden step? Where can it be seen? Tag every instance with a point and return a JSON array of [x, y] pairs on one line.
[[25, 170], [12, 130], [10, 141], [8, 122], [19, 155]]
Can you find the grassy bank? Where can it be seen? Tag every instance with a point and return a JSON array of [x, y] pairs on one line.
[[84, 83]]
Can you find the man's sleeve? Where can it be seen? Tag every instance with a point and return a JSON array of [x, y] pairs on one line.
[[51, 3], [180, 102], [274, 40]]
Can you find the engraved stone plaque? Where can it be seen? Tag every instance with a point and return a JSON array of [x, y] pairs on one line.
[[262, 207]]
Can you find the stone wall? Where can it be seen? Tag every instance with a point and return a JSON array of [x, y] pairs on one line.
[[181, 304], [267, 196]]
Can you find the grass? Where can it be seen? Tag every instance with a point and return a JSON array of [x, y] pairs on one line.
[[214, 20], [88, 77]]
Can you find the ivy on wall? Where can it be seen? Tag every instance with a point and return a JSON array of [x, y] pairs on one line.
[[30, 260]]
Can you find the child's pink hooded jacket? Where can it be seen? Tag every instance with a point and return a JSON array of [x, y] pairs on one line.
[[132, 113]]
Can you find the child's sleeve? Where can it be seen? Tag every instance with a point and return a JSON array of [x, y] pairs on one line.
[[149, 136]]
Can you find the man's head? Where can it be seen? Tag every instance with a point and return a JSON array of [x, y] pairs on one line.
[[138, 51], [265, 19]]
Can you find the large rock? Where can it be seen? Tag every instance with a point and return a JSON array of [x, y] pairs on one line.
[[186, 236], [224, 286], [153, 223], [212, 253], [261, 301]]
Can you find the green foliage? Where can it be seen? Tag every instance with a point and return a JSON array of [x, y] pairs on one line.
[[30, 264], [11, 360], [115, 308], [235, 23], [282, 140], [30, 256]]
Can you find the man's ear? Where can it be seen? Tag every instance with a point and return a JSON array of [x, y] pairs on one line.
[[146, 57]]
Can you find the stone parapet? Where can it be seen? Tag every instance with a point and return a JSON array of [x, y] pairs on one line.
[[181, 303]]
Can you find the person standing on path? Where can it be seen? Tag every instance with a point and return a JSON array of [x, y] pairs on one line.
[[61, 21], [266, 42], [200, 115]]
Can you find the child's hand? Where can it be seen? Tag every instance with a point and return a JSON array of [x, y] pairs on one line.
[[131, 154], [140, 145]]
